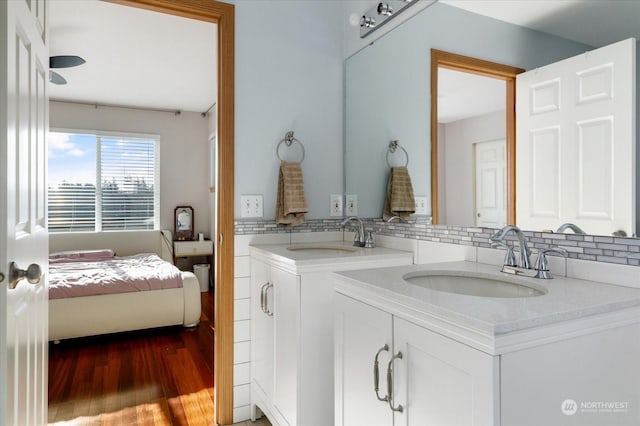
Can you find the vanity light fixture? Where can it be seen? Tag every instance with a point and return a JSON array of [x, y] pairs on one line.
[[378, 15], [384, 9], [367, 22]]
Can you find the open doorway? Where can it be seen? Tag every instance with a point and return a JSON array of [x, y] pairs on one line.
[[463, 70], [222, 352]]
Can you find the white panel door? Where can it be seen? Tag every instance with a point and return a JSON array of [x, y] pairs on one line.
[[23, 234], [490, 171], [361, 333], [575, 150], [439, 381]]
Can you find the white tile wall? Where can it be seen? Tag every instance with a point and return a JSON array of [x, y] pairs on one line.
[[242, 331], [242, 373], [240, 414], [242, 266], [241, 352], [241, 395], [242, 288], [241, 309]]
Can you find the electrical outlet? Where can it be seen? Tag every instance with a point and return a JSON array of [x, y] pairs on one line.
[[251, 206], [352, 205], [421, 205], [335, 209]]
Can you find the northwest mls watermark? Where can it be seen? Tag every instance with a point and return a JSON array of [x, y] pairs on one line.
[[570, 407]]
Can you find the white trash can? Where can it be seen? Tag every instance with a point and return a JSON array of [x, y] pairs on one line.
[[201, 271]]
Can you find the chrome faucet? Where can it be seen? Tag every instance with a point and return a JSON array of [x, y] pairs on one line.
[[359, 238], [525, 252], [571, 226]]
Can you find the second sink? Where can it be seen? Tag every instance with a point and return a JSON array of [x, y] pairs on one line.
[[479, 286]]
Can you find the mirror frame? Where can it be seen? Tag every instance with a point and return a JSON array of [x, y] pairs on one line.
[[183, 234], [442, 59]]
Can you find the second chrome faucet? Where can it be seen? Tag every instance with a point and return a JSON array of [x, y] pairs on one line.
[[523, 267]]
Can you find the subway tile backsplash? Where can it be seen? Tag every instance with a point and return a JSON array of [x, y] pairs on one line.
[[625, 251]]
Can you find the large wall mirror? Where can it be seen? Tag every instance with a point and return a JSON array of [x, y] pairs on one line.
[[388, 97]]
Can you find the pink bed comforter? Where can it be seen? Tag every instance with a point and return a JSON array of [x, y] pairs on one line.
[[139, 272]]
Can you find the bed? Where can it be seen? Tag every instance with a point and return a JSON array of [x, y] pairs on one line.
[[159, 295]]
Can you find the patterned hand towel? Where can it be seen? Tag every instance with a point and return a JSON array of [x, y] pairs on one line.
[[291, 204], [399, 200]]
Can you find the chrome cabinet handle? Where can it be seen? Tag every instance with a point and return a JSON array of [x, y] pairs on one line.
[[390, 383], [33, 274], [266, 299], [376, 374], [263, 298]]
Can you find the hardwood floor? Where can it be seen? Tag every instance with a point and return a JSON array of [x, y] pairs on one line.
[[149, 377]]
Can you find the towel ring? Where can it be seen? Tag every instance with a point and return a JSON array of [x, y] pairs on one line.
[[288, 140], [393, 146]]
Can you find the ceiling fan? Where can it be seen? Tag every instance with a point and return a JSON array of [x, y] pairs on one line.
[[62, 61]]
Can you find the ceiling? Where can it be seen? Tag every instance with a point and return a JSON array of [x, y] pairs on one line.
[[593, 22], [152, 60], [134, 57], [463, 95]]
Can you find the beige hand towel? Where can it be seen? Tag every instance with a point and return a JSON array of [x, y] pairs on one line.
[[291, 204], [399, 200]]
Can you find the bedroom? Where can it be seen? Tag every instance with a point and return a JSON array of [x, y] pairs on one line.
[[142, 103]]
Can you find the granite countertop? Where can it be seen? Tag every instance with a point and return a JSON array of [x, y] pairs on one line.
[[565, 299]]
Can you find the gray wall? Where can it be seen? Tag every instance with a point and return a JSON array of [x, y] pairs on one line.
[[458, 174], [388, 89], [289, 76]]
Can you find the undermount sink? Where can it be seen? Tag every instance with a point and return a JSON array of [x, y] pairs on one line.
[[321, 249], [470, 285]]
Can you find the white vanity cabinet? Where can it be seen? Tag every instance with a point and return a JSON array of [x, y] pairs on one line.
[[436, 380], [275, 320], [567, 357], [292, 327]]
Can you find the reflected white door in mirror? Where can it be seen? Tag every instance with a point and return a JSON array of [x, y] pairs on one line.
[[575, 142]]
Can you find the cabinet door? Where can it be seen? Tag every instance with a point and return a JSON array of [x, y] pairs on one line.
[[261, 331], [360, 332], [286, 309], [440, 381]]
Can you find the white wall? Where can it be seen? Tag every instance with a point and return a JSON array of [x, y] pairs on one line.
[[184, 151], [289, 76], [459, 137]]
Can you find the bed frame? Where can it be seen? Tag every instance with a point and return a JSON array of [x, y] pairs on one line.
[[112, 313]]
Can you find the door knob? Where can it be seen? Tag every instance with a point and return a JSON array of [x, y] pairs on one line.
[[33, 274]]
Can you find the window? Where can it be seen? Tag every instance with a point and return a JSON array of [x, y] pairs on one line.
[[100, 182]]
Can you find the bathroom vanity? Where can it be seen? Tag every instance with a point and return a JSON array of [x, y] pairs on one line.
[[421, 345], [292, 325]]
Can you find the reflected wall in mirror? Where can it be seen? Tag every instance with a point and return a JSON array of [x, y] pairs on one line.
[[183, 223], [388, 94], [472, 140]]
